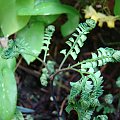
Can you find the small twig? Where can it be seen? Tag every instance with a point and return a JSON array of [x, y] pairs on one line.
[[62, 106]]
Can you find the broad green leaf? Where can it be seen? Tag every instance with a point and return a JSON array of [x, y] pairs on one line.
[[33, 35], [10, 22], [117, 7], [37, 2], [8, 94], [11, 63], [43, 18], [52, 8]]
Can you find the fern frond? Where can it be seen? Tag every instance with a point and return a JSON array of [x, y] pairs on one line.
[[47, 37], [103, 56], [77, 40], [88, 88]]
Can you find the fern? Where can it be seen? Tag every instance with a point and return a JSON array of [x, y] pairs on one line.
[[103, 56], [47, 37], [78, 39], [88, 89], [84, 93]]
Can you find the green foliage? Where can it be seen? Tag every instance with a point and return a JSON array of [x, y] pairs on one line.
[[7, 88], [78, 39], [105, 108], [49, 11], [9, 17], [103, 56], [33, 36], [117, 8], [19, 13], [84, 93], [30, 17], [89, 88]]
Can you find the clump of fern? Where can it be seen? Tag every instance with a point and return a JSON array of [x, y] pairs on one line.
[[89, 87], [85, 93]]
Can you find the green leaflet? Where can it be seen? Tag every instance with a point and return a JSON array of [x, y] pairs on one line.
[[116, 55], [33, 35], [9, 17], [8, 94], [54, 8], [8, 90]]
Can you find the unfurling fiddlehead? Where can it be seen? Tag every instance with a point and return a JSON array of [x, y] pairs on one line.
[[45, 75], [77, 41]]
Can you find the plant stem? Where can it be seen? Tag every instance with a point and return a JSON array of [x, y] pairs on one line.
[[69, 52], [45, 53]]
